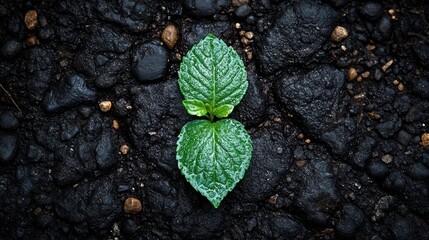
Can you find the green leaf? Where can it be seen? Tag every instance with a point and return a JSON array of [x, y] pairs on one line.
[[213, 156], [223, 111], [195, 107], [213, 73]]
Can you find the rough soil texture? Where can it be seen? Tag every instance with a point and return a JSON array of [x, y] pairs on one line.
[[339, 125]]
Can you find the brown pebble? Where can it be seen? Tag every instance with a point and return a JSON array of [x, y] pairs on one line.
[[245, 41], [339, 34], [352, 74], [132, 205], [387, 158], [124, 149], [30, 19], [242, 33], [115, 124], [249, 55], [359, 79], [273, 199], [32, 41], [424, 140], [300, 163], [249, 35], [370, 47], [395, 82], [365, 74], [170, 35], [400, 87], [238, 3], [105, 106], [308, 141], [387, 65]]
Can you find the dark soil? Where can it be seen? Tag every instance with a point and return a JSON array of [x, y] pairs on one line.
[[333, 158]]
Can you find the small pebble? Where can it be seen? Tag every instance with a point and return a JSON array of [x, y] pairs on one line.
[[238, 26], [400, 87], [170, 35], [124, 149], [365, 74], [308, 141], [10, 48], [243, 11], [32, 41], [300, 163], [30, 19], [395, 82], [132, 205], [249, 35], [387, 158], [105, 106], [424, 139], [339, 34], [115, 124], [387, 65], [238, 3], [370, 47], [352, 74], [245, 41], [273, 199]]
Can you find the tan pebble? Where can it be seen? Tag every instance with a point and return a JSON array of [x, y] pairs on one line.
[[395, 82], [170, 35], [132, 205], [300, 163], [387, 65], [400, 87], [387, 158], [124, 149], [249, 55], [359, 79], [273, 199], [152, 133], [352, 74], [238, 26], [308, 141], [30, 19], [115, 124], [365, 74], [238, 3], [105, 106], [391, 11], [245, 41], [370, 47], [32, 41], [277, 120], [300, 136], [249, 35], [424, 140], [242, 33], [339, 34], [178, 56], [344, 48]]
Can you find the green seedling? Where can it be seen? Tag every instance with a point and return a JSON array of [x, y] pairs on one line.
[[213, 154]]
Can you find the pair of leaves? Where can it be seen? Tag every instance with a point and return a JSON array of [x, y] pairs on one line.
[[213, 156]]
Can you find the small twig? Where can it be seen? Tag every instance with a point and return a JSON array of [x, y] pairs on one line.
[[11, 98]]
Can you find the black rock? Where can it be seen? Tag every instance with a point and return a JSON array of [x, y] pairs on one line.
[[296, 36], [205, 8], [404, 137], [8, 147], [8, 121], [378, 170], [402, 103], [46, 33], [317, 192], [371, 10], [383, 29], [314, 99], [419, 171], [105, 150], [130, 226], [418, 112], [71, 91], [421, 87], [397, 181], [350, 221], [10, 48], [243, 10], [402, 229], [389, 125], [271, 159], [150, 62]]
